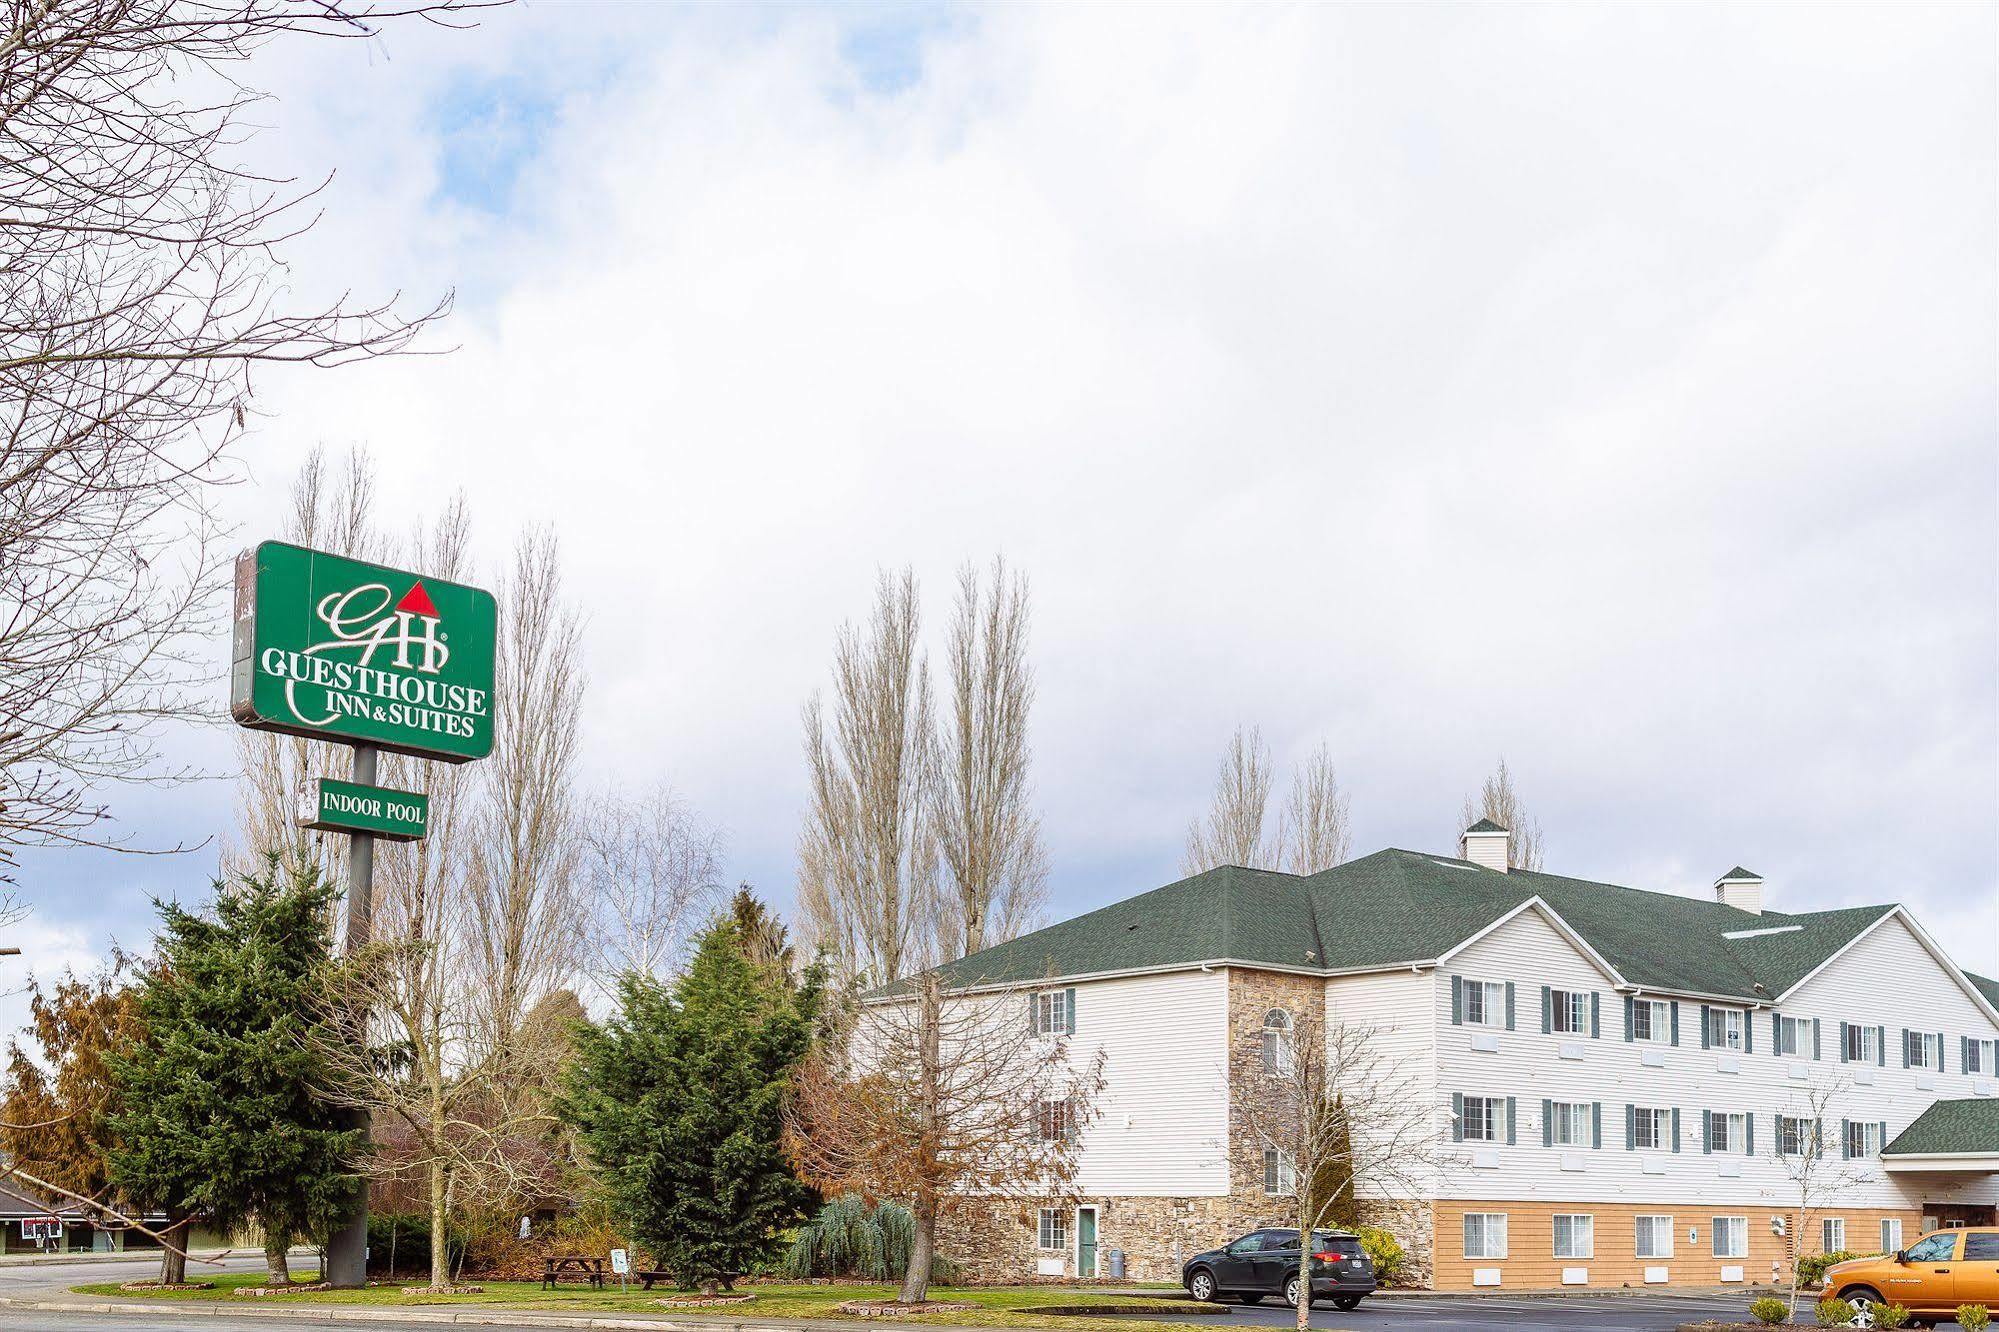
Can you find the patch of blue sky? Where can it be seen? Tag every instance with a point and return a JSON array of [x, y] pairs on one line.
[[488, 129], [884, 42]]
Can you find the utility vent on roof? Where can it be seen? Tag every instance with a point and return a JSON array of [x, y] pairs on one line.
[[1757, 934], [1452, 864]]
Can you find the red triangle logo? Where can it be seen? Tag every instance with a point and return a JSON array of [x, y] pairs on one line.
[[417, 601]]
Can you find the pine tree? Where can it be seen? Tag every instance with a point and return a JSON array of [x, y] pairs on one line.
[[678, 1102], [221, 1118]]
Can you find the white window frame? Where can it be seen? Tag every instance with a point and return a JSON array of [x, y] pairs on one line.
[[1734, 1126], [1639, 1227], [1804, 1134], [1891, 1234], [1279, 1052], [1490, 1224], [1582, 1234], [1863, 1044], [1832, 1234], [1659, 1121], [1863, 1139], [1492, 1111], [1280, 1174], [1980, 1056], [1790, 1035], [1724, 1034], [1491, 1005], [1568, 1012], [1736, 1228], [1054, 1013], [1581, 1117], [1051, 1233], [1658, 1024], [1055, 1119], [1926, 1051]]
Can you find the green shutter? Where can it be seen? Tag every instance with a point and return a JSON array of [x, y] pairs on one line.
[[1776, 1031], [1748, 1031], [1630, 1126], [1033, 1001], [1749, 1135], [1627, 1018], [1457, 1001], [1509, 1005], [1905, 1047], [1457, 1116], [1881, 1046], [1842, 1042], [1596, 1124], [1509, 1121], [1845, 1141], [1707, 1132], [1069, 1006], [1940, 1061], [1676, 1128], [1595, 1021], [1818, 1048], [1547, 1123], [1547, 1010], [1706, 1026], [1882, 1125], [1676, 1022]]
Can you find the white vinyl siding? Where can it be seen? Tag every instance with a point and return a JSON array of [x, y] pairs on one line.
[[1654, 1236], [1731, 1236], [1485, 1234], [1575, 1235]]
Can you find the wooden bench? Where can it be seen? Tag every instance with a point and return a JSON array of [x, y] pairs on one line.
[[574, 1268]]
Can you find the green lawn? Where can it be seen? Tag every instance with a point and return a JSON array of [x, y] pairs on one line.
[[999, 1306]]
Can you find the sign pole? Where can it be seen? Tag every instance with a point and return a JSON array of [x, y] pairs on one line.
[[347, 1253]]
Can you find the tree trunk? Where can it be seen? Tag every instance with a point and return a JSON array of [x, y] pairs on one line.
[[1305, 1219], [276, 1246], [173, 1255], [440, 1262], [916, 1280]]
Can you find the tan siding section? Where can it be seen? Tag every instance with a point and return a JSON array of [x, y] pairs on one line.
[[1530, 1262]]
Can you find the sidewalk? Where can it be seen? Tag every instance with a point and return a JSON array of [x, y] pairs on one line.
[[483, 1317]]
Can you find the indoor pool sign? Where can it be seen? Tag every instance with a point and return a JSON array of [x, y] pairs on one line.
[[339, 649]]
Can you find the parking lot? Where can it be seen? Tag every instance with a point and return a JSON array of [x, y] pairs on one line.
[[1526, 1313]]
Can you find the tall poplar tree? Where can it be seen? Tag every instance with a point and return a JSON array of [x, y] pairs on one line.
[[220, 1113], [678, 1100]]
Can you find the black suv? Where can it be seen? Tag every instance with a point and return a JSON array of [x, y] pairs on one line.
[[1265, 1262]]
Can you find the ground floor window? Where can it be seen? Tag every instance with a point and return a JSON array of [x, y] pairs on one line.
[[1731, 1236], [1280, 1176], [1655, 1237], [1485, 1234], [1575, 1236], [1891, 1233], [1054, 1228], [1832, 1233]]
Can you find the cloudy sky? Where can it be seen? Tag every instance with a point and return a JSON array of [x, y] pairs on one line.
[[1610, 388]]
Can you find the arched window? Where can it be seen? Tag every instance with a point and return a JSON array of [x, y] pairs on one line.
[[1277, 1052]]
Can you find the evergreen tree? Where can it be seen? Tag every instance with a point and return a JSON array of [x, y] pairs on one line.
[[220, 1117], [678, 1101]]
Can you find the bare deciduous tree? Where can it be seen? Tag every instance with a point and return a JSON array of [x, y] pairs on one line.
[[1814, 1163], [1498, 801], [653, 871], [996, 872], [940, 1100], [1313, 830], [868, 852], [1233, 833], [1348, 1123], [140, 288]]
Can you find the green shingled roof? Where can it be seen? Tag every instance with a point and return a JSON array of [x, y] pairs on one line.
[[1988, 988], [1399, 907], [1740, 875], [1486, 825], [1950, 1128]]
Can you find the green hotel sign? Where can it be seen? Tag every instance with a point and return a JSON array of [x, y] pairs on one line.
[[338, 649], [336, 806]]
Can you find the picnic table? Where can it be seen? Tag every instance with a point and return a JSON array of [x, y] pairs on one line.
[[572, 1268]]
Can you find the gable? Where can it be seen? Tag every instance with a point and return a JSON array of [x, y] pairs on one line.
[[1529, 943], [1890, 975]]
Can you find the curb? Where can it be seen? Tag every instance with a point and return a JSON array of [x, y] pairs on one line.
[[493, 1317]]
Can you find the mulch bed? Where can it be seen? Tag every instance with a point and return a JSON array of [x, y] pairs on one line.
[[1735, 1327], [295, 1288], [897, 1309], [449, 1290], [703, 1301], [155, 1285]]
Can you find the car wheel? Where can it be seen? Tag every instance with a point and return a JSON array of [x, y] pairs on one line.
[[1293, 1290], [1866, 1304], [1346, 1302], [1201, 1285]]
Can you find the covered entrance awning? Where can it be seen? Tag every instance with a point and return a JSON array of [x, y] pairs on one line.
[[1949, 1138]]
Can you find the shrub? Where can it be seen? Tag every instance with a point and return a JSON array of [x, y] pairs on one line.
[[1769, 1310], [1811, 1267], [1384, 1251], [1973, 1317], [1890, 1315], [1834, 1312], [848, 1238], [399, 1242]]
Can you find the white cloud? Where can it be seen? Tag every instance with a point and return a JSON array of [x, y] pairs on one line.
[[1611, 388]]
